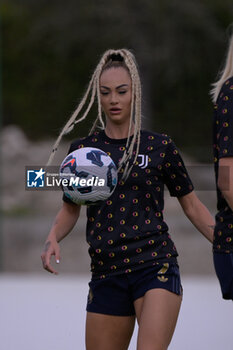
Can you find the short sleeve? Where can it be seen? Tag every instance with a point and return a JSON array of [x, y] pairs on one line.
[[66, 199], [72, 148], [176, 177], [225, 119]]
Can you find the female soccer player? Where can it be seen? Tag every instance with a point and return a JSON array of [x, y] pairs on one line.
[[133, 259], [222, 97]]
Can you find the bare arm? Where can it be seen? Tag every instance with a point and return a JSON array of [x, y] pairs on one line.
[[198, 214], [63, 224], [225, 179]]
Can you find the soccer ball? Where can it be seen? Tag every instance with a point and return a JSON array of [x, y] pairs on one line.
[[88, 176]]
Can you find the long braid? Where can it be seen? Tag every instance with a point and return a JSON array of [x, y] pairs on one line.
[[94, 126], [136, 112], [99, 103], [71, 122], [127, 61]]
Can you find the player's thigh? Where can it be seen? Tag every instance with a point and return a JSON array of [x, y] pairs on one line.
[[106, 332], [157, 312]]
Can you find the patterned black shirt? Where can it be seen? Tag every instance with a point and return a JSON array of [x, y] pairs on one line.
[[127, 232], [223, 147]]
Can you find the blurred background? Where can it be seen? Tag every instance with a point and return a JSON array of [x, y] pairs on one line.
[[48, 52]]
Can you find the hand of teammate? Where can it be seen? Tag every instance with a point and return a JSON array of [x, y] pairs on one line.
[[51, 248]]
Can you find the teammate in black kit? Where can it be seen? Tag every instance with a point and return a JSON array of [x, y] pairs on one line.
[[133, 259], [222, 96]]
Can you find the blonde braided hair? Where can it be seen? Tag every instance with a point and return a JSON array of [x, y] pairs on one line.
[[226, 72], [111, 58]]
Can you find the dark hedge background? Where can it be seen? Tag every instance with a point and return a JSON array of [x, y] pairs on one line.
[[50, 48]]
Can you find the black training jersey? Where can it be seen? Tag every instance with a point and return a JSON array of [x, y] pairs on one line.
[[127, 231], [223, 147]]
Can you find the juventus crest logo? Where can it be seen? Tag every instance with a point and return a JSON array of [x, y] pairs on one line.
[[144, 161]]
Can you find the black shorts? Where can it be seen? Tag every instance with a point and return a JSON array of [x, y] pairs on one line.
[[223, 264], [115, 295]]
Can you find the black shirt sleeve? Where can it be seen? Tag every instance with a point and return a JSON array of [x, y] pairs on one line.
[[175, 174], [72, 148], [66, 199]]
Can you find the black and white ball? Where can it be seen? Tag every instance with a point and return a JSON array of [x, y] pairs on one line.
[[88, 176]]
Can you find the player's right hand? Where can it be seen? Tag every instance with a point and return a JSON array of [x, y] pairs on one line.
[[51, 248]]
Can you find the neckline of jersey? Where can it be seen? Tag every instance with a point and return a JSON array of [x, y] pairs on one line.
[[110, 140]]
